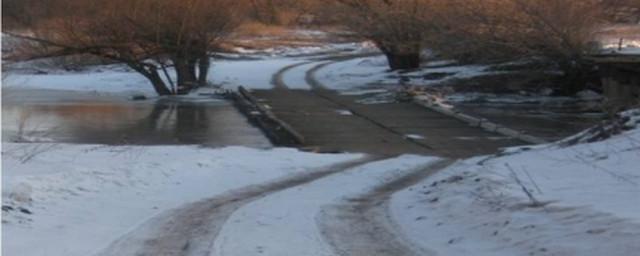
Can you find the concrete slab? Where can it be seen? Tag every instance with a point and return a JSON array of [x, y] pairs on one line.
[[384, 129]]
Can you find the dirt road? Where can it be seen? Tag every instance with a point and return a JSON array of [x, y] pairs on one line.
[[192, 229]]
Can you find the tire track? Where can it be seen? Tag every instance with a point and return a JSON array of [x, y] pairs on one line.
[[193, 229], [277, 80], [363, 225], [310, 77]]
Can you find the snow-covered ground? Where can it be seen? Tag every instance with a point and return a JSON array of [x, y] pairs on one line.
[[68, 200], [374, 71], [104, 79], [584, 201], [230, 72], [295, 78], [254, 74], [251, 68], [286, 223]]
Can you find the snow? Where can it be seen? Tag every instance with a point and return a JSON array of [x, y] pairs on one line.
[[285, 223], [414, 137], [82, 197], [628, 47], [295, 78], [353, 73], [585, 201], [107, 79], [360, 73], [249, 68], [302, 51], [253, 69], [253, 74], [344, 112]]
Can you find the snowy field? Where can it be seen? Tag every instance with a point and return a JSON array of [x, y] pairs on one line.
[[584, 201], [76, 199]]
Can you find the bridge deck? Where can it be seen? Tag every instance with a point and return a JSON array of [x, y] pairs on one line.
[[332, 122]]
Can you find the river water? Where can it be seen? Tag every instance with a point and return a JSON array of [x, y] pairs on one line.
[[91, 118]]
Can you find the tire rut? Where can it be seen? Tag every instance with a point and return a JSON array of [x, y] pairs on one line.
[[277, 80], [193, 228], [362, 226]]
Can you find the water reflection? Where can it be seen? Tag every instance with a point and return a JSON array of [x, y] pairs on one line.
[[166, 121], [538, 121]]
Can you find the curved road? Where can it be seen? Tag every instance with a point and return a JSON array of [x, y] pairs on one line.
[[193, 228], [354, 226]]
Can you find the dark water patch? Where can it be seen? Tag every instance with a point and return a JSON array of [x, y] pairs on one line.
[[166, 121], [544, 123]]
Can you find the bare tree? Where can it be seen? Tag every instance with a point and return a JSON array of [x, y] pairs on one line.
[[147, 35], [397, 27]]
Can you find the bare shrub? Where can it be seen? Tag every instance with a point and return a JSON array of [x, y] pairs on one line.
[[559, 31], [147, 35]]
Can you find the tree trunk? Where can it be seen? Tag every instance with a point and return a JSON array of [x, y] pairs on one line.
[[185, 72], [398, 61], [158, 84], [203, 69], [151, 73]]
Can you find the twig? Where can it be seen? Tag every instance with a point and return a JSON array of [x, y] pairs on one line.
[[532, 181], [534, 201]]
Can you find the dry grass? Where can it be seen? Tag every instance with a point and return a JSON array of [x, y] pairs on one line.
[[255, 35], [621, 31], [256, 29]]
